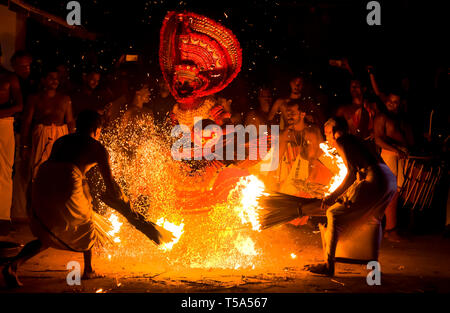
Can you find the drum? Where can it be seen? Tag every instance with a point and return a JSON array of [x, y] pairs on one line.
[[421, 175]]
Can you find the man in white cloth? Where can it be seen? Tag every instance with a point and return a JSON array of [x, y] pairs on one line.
[[10, 103], [361, 198], [61, 212], [49, 114]]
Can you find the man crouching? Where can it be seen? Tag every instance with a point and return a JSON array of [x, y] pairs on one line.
[[61, 212], [362, 197]]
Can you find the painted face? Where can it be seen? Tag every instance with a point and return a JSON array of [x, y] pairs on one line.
[[393, 103], [51, 80], [296, 85]]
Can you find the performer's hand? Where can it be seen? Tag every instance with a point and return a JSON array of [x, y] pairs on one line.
[[402, 154], [327, 201]]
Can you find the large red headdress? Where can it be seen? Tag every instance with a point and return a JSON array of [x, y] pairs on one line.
[[198, 56]]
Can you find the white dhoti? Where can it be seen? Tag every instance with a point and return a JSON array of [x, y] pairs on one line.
[[61, 213], [363, 207], [44, 136], [20, 186], [7, 147]]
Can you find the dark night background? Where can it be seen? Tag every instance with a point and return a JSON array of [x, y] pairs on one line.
[[278, 38]]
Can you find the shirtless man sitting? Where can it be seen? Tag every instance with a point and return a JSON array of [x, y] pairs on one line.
[[61, 212], [10, 103], [49, 114]]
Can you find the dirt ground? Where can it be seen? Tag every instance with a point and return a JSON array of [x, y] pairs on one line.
[[417, 265]]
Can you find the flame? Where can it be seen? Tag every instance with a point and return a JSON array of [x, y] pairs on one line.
[[253, 188], [177, 231], [245, 245], [114, 219], [293, 255], [336, 160]]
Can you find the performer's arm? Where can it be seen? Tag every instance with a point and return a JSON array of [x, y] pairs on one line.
[[105, 170]]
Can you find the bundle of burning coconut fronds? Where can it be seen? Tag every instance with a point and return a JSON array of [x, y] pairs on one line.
[[282, 208], [154, 232]]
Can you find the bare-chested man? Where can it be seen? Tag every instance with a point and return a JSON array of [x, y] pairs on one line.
[[349, 111], [296, 84], [10, 103], [61, 212], [49, 114], [394, 137]]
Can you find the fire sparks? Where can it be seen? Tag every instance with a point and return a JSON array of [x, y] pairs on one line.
[[293, 256], [176, 230], [225, 235], [114, 219], [336, 161], [247, 211]]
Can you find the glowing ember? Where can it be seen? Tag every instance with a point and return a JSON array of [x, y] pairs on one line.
[[114, 219], [177, 231], [293, 255], [337, 179]]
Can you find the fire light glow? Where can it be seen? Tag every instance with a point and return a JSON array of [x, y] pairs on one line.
[[337, 179], [227, 235], [177, 231]]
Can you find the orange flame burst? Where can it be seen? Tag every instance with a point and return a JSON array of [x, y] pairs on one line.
[[334, 161]]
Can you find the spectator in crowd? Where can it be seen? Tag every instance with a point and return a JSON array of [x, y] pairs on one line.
[[21, 62], [91, 97], [394, 136], [10, 104], [260, 115], [296, 85], [47, 116], [65, 84], [224, 99], [349, 112]]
